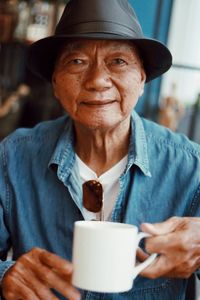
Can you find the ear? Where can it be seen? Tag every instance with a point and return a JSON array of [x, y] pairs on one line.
[[143, 79], [143, 76], [54, 85], [141, 92]]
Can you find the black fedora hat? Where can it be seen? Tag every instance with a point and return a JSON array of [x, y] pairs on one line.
[[99, 19]]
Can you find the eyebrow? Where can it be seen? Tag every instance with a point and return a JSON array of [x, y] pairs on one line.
[[71, 46]]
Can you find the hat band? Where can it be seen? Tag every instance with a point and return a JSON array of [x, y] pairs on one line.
[[100, 27]]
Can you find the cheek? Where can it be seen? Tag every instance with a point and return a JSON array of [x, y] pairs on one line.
[[131, 92], [67, 88]]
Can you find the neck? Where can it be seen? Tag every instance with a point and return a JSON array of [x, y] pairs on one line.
[[102, 149]]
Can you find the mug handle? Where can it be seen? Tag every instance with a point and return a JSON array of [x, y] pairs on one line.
[[141, 266]]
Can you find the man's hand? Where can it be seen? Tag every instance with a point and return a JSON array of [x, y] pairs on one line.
[[177, 241], [34, 275]]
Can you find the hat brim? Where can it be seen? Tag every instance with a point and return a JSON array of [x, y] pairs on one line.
[[42, 54]]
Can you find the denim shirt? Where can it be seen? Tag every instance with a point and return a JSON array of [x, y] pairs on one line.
[[40, 198]]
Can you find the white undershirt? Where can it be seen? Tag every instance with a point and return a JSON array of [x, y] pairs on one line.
[[110, 184]]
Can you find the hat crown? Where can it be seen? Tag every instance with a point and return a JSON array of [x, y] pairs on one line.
[[89, 16], [99, 19]]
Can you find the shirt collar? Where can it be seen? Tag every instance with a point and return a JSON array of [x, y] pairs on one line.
[[64, 153], [138, 152]]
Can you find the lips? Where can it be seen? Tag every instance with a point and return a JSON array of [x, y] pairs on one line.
[[98, 102]]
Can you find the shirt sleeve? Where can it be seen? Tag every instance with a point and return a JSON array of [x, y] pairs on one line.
[[5, 243], [4, 266]]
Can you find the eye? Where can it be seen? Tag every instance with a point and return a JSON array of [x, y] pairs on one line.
[[118, 61], [76, 61]]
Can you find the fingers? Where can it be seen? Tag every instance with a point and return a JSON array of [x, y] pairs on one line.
[[60, 278], [60, 282], [14, 289], [158, 268], [162, 228], [171, 268], [36, 273], [55, 272], [56, 262], [20, 282], [170, 225], [141, 255], [41, 290], [161, 244], [183, 237], [177, 242]]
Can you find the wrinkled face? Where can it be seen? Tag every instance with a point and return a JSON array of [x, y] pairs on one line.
[[98, 82]]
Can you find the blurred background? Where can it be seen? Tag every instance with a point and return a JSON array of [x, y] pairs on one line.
[[172, 100]]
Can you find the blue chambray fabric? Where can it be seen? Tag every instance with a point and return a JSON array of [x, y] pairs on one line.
[[40, 198]]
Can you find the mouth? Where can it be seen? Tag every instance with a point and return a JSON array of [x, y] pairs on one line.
[[98, 102]]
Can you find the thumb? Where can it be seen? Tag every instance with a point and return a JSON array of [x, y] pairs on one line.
[[161, 228]]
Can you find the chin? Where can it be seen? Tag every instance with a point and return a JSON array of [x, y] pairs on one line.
[[99, 125]]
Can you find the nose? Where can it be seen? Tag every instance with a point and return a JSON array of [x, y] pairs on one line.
[[98, 78]]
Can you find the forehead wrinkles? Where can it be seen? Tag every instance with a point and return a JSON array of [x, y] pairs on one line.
[[110, 45], [71, 46], [115, 46]]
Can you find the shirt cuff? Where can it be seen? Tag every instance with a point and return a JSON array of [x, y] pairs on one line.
[[4, 266]]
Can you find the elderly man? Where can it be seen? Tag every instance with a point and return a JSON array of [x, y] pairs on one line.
[[98, 62]]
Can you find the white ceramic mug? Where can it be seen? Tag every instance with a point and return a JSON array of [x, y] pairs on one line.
[[104, 256]]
